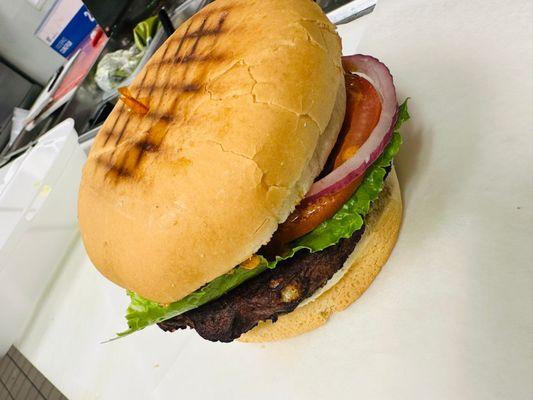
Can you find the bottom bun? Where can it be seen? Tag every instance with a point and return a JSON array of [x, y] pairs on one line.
[[371, 253]]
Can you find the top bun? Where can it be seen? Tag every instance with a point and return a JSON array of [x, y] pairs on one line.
[[245, 101]]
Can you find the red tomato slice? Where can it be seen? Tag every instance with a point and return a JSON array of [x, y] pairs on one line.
[[363, 108]]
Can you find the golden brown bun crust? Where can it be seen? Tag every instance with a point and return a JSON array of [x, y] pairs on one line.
[[371, 253], [240, 98]]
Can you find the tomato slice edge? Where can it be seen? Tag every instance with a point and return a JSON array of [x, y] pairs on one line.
[[363, 105]]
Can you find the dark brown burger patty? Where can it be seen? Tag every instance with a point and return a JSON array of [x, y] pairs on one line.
[[266, 296]]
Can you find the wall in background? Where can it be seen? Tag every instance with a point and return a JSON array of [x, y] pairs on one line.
[[18, 45]]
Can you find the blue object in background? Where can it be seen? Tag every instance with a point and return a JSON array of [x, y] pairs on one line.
[[76, 30]]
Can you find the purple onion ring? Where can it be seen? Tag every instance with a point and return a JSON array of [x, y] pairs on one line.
[[354, 167]]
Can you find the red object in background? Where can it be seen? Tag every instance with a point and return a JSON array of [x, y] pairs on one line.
[[90, 49], [97, 36]]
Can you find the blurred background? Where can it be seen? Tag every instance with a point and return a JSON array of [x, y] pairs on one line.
[[66, 58]]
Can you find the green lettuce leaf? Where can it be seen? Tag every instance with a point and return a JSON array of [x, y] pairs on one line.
[[142, 313]]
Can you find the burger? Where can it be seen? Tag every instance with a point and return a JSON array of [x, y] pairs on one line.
[[243, 185]]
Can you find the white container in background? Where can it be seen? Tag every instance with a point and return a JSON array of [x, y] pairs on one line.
[[38, 221]]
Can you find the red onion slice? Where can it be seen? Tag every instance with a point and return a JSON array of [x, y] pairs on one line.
[[353, 168]]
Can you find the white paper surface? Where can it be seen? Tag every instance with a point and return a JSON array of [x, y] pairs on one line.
[[449, 317], [38, 217]]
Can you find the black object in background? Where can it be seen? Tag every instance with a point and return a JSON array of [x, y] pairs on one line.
[[168, 27], [118, 15], [17, 91], [101, 114], [107, 13]]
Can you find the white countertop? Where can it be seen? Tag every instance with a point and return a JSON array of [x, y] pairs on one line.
[[451, 314]]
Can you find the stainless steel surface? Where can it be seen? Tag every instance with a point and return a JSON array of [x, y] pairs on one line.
[[346, 11], [89, 135]]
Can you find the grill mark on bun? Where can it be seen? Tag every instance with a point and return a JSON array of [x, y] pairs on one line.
[[158, 116], [121, 133], [127, 162], [147, 145], [151, 88], [118, 167], [112, 169], [203, 33], [217, 11], [160, 63], [121, 112], [187, 59], [167, 85], [112, 129], [126, 165], [155, 135], [191, 87], [198, 35], [177, 88]]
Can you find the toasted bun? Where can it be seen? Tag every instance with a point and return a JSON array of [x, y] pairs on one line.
[[245, 103], [371, 253]]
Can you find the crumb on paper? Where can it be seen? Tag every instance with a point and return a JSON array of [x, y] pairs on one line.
[[45, 191]]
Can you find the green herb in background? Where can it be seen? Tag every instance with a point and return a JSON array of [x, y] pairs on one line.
[[144, 31]]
